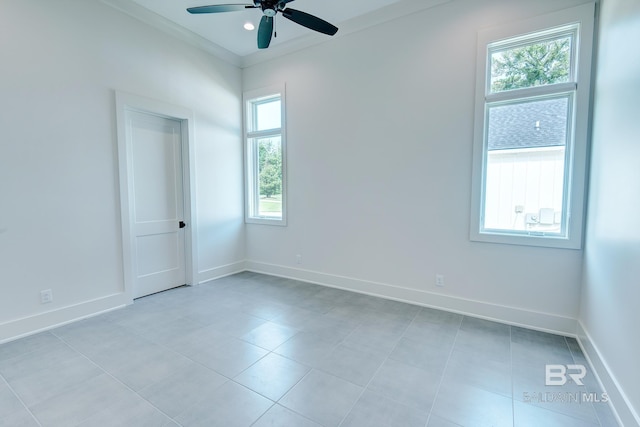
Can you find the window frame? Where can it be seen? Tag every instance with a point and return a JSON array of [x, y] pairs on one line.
[[576, 149], [250, 99]]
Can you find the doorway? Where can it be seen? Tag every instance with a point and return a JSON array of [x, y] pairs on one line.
[[155, 184]]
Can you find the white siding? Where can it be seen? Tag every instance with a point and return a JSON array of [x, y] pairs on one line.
[[532, 178]]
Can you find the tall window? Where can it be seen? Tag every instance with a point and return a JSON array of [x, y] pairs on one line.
[[531, 131], [265, 157]]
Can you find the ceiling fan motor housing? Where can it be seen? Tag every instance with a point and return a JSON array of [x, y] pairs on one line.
[[271, 7], [269, 10]]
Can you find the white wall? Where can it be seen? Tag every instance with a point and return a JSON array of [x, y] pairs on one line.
[[380, 130], [62, 62], [610, 315]]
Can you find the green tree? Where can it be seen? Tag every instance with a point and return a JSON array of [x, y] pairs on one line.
[[270, 167], [536, 64]]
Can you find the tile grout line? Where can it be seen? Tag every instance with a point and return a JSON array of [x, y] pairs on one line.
[[573, 357], [277, 402], [269, 351], [364, 389], [554, 411], [311, 368], [115, 379], [4, 380], [444, 370], [513, 397], [229, 378], [138, 330]]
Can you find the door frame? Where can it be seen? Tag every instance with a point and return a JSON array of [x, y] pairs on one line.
[[125, 103]]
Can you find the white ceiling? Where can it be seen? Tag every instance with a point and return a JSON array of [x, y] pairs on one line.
[[223, 33]]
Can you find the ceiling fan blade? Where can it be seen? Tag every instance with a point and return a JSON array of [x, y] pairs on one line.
[[219, 8], [265, 31], [310, 21]]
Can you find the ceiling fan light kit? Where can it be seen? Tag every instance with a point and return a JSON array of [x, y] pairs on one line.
[[270, 9]]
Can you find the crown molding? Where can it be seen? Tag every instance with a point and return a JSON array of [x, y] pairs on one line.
[[371, 19], [165, 25]]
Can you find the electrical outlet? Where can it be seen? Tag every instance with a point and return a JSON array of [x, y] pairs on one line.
[[46, 296], [298, 259], [439, 280]]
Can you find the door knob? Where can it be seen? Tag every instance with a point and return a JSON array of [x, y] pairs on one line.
[[182, 224]]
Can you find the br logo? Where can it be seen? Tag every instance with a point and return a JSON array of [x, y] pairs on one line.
[[557, 374]]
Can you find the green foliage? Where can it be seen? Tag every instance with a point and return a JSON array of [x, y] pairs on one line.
[[270, 167], [531, 65]]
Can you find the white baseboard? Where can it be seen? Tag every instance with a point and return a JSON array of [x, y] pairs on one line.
[[511, 315], [222, 271], [622, 408], [30, 325], [18, 328]]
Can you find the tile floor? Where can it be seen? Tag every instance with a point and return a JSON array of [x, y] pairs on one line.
[[255, 350]]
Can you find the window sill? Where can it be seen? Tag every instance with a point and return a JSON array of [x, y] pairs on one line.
[[545, 241], [266, 221]]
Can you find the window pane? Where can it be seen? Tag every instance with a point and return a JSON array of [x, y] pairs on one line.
[[267, 115], [525, 169], [269, 177], [541, 63]]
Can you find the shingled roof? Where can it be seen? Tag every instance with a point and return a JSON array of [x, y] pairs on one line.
[[528, 124]]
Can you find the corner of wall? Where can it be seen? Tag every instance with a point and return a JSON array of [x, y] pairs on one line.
[[621, 406], [220, 271]]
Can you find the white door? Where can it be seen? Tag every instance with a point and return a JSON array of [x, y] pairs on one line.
[[157, 228]]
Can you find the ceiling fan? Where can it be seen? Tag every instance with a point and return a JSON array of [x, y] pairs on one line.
[[269, 10]]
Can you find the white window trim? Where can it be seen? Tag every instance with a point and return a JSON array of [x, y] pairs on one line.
[[578, 150], [250, 173]]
